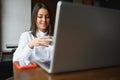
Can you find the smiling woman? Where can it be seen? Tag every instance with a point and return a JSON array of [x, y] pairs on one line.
[[35, 44]]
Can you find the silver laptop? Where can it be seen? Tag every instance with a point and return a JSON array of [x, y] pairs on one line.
[[85, 37]]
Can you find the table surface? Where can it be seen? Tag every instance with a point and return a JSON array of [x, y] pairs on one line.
[[110, 73]]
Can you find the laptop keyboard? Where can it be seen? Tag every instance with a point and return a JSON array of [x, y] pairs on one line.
[[46, 64]]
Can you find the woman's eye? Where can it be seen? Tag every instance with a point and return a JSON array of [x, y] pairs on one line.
[[47, 16], [39, 16]]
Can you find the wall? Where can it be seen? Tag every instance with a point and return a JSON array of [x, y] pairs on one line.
[[16, 17]]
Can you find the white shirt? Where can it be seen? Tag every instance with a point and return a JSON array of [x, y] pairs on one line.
[[24, 54]]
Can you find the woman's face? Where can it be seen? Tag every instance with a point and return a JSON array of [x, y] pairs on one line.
[[43, 19]]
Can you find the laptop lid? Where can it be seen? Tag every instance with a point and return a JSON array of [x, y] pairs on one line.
[[85, 37]]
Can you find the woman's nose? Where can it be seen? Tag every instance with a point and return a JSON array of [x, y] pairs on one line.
[[44, 19]]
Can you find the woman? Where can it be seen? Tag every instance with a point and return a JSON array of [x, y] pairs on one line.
[[36, 43]]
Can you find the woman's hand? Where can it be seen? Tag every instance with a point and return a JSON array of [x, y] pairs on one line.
[[40, 41]]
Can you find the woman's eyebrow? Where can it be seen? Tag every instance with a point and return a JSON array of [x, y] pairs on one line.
[[40, 14]]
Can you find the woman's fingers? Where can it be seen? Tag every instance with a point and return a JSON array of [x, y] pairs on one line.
[[40, 41], [45, 40]]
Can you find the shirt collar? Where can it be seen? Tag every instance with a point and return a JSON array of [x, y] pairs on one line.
[[40, 33]]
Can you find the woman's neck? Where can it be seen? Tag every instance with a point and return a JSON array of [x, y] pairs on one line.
[[44, 31]]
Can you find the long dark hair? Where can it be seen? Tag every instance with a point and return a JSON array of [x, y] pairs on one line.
[[33, 27]]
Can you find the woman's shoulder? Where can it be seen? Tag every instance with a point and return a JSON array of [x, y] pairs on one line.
[[26, 33], [26, 36]]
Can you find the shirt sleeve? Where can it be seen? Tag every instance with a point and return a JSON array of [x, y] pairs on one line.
[[23, 52], [46, 54], [49, 53]]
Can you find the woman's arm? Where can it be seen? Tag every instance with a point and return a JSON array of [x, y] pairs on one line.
[[23, 51]]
